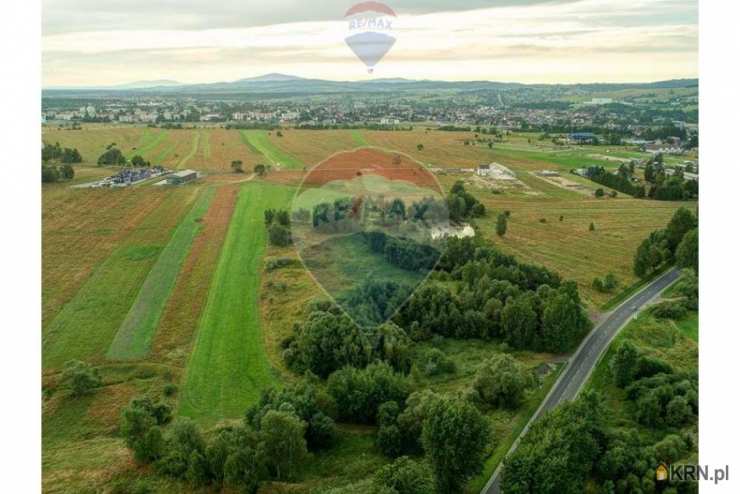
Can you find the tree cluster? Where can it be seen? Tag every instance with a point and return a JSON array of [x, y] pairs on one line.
[[525, 305], [112, 156], [55, 153], [662, 245], [616, 181], [277, 222], [329, 340], [462, 205]]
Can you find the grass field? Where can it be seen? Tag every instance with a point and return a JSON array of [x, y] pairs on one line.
[[134, 337], [260, 141], [85, 326], [228, 367], [179, 321], [80, 228], [313, 146]]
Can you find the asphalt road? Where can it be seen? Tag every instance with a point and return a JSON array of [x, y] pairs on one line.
[[583, 361]]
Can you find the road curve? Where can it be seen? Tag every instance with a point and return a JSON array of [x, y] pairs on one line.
[[585, 358]]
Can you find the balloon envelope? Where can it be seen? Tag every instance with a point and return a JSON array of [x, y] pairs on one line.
[[370, 47]]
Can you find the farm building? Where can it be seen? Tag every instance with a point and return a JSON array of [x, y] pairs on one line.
[[182, 177], [483, 170]]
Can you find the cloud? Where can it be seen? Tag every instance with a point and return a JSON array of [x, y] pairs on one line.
[[65, 16], [586, 40]]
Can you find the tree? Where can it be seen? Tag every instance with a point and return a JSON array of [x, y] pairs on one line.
[[140, 430], [419, 147], [198, 473], [112, 156], [260, 169], [283, 441], [237, 166], [66, 172], [455, 436], [624, 364], [139, 161], [406, 476], [501, 223], [687, 252], [681, 223], [360, 392], [279, 235], [567, 439], [49, 174], [599, 192], [591, 227], [81, 378], [501, 381]]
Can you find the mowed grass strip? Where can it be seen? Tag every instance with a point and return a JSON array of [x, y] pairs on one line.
[[177, 326], [229, 368], [260, 140], [193, 149], [86, 325], [134, 337]]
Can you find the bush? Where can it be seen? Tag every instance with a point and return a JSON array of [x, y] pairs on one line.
[[279, 235], [433, 362], [169, 389], [501, 381], [669, 310], [406, 476], [359, 393], [81, 378]]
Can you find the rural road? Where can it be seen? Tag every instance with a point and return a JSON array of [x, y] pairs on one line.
[[583, 361]]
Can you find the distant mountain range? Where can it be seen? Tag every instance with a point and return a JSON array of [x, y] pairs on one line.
[[282, 84]]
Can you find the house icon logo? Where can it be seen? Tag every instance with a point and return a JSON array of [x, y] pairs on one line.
[[661, 473]]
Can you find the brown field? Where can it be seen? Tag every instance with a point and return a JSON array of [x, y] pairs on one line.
[[180, 318], [441, 149], [369, 161], [80, 228]]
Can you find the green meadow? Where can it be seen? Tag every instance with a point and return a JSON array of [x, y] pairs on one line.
[[228, 367]]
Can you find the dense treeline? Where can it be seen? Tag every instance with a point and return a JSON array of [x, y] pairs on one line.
[[662, 246], [615, 181], [574, 445], [497, 297], [402, 252]]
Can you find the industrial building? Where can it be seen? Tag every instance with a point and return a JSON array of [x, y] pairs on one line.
[[182, 177]]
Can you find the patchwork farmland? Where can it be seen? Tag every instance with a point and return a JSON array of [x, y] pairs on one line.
[[168, 291]]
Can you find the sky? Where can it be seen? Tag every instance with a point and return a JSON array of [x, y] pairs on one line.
[[108, 42]]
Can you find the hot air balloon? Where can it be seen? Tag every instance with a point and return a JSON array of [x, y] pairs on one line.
[[370, 45]]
